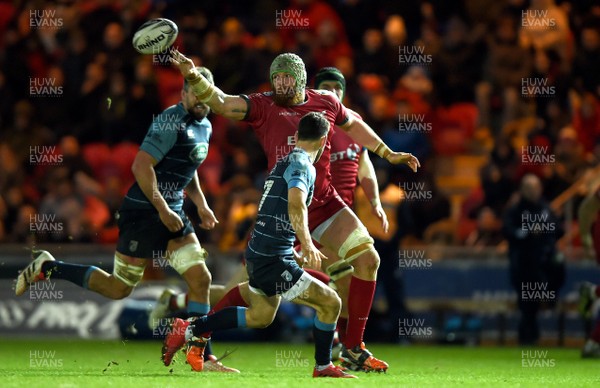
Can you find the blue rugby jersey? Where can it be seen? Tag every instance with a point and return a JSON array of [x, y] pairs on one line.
[[179, 143], [273, 234]]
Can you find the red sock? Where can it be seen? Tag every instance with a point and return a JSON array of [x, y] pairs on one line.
[[231, 298], [596, 332], [342, 324], [318, 275], [597, 291], [360, 299]]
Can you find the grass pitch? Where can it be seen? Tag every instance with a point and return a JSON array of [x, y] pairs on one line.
[[68, 363]]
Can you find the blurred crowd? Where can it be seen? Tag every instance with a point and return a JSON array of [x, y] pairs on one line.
[[513, 82]]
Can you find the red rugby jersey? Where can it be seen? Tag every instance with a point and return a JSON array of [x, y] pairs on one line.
[[275, 127], [345, 154]]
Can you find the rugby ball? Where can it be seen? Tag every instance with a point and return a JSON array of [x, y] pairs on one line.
[[155, 36]]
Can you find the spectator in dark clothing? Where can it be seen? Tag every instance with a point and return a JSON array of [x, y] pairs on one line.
[[457, 66], [536, 274]]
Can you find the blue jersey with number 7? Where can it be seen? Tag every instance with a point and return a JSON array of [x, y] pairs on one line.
[[273, 234]]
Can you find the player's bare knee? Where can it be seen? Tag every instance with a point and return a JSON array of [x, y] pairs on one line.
[[120, 290], [125, 277], [329, 302], [189, 261], [334, 303], [368, 262], [204, 278]]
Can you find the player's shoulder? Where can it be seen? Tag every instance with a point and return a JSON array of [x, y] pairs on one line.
[[297, 162], [355, 114], [322, 94], [174, 112]]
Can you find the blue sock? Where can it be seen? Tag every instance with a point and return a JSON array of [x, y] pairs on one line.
[[197, 309], [228, 318], [75, 273], [323, 333]]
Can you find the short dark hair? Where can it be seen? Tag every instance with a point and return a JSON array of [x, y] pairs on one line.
[[313, 126]]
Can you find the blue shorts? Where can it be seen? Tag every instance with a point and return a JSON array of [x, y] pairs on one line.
[[271, 276], [143, 235]]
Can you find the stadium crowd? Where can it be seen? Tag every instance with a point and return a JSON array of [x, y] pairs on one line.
[[515, 82]]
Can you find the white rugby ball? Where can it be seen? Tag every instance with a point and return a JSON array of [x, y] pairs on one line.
[[155, 36]]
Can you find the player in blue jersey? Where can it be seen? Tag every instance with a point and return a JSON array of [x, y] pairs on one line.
[[272, 264], [151, 221]]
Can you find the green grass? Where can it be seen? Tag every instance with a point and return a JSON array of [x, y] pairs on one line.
[[42, 363]]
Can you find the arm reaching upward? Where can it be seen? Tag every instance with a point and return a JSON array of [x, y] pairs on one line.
[[232, 107]]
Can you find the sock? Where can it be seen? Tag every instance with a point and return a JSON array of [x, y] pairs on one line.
[[360, 299], [232, 298], [75, 273], [197, 309], [323, 333], [178, 302], [342, 324], [228, 318], [596, 332], [318, 275], [595, 292]]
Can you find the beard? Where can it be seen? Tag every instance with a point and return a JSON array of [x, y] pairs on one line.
[[283, 99], [199, 111]]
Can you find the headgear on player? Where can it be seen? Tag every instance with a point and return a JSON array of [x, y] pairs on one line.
[[293, 65], [330, 74]]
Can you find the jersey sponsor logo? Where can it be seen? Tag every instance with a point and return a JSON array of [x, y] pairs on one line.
[[351, 153], [287, 113], [199, 153]]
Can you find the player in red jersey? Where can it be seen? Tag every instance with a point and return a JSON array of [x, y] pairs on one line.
[[350, 164], [589, 229], [274, 116]]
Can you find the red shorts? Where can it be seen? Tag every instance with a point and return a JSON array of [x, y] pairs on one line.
[[324, 210]]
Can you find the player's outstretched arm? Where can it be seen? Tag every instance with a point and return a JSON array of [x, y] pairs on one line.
[[361, 133], [232, 107], [298, 213], [368, 182], [194, 191]]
